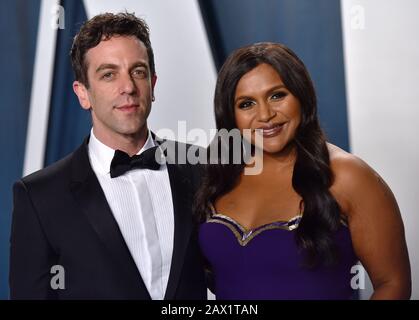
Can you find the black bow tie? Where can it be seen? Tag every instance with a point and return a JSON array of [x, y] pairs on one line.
[[122, 162]]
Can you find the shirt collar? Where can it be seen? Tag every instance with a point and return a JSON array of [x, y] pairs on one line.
[[101, 155]]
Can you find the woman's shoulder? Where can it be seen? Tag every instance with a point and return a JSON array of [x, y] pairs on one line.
[[353, 178], [346, 165]]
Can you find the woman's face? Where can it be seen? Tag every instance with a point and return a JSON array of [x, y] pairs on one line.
[[263, 102]]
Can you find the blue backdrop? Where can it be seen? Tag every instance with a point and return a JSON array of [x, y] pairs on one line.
[[68, 123], [18, 29]]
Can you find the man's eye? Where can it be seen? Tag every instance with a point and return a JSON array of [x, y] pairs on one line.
[[245, 104], [108, 76], [139, 73], [278, 95]]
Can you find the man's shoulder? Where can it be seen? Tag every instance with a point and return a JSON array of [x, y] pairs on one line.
[[54, 173], [54, 170]]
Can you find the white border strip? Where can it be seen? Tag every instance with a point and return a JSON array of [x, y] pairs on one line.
[[41, 89]]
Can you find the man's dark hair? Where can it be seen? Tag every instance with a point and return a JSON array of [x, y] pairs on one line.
[[103, 27]]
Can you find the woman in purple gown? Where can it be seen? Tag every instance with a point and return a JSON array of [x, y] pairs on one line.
[[297, 229]]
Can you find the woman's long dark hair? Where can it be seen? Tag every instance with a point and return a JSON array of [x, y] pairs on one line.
[[312, 176]]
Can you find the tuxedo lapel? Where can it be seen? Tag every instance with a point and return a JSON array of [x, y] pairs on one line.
[[91, 198], [180, 186]]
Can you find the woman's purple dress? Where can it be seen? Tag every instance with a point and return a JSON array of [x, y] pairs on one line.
[[265, 263]]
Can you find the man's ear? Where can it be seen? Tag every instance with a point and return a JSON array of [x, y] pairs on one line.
[[153, 83], [81, 93]]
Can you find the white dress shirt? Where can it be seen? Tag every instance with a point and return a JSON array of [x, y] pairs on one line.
[[141, 202]]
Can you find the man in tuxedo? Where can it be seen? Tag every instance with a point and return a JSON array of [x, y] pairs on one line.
[[114, 222]]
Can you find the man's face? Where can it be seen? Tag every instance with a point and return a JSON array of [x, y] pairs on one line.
[[120, 87]]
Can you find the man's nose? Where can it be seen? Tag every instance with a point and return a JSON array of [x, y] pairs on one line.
[[127, 84]]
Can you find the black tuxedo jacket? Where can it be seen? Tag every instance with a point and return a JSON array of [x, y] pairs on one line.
[[61, 217]]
